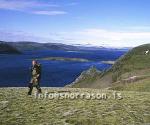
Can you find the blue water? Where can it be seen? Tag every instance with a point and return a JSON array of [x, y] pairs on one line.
[[15, 69]]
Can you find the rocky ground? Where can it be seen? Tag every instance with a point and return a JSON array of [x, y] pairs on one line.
[[106, 107]]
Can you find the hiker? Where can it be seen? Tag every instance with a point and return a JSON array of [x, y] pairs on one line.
[[35, 77]]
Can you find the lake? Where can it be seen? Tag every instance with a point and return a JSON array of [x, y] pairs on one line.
[[15, 69]]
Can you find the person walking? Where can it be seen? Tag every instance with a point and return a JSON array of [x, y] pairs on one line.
[[35, 77]]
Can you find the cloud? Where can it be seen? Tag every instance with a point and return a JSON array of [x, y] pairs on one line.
[[31, 6], [13, 36], [96, 37], [49, 12], [114, 35], [106, 37], [139, 27], [14, 4], [22, 4]]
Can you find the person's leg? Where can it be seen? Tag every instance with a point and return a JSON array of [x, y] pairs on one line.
[[30, 88], [38, 88]]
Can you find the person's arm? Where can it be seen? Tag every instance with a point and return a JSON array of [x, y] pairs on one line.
[[38, 70]]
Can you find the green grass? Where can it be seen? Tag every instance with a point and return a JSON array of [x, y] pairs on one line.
[[19, 109], [135, 59], [140, 86], [134, 63]]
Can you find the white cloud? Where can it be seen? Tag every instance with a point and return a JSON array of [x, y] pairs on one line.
[[113, 35], [42, 12], [14, 4], [96, 37], [31, 6], [12, 36], [139, 27], [106, 37], [22, 4]]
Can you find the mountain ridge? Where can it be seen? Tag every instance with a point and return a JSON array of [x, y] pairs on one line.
[[8, 49], [133, 65], [29, 45]]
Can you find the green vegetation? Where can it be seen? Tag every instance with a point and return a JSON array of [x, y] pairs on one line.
[[135, 59], [130, 72], [19, 109], [134, 64], [141, 86], [87, 77]]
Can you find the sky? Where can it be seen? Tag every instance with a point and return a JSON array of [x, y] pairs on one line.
[[117, 23]]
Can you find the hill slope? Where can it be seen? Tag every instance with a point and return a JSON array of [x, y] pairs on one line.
[[27, 45], [129, 70], [24, 45], [132, 71], [86, 76], [7, 49]]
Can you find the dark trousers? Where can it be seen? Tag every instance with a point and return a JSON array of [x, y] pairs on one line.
[[31, 85]]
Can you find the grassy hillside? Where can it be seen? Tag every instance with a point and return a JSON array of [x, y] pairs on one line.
[[140, 85], [134, 60], [16, 108], [87, 77], [129, 72], [132, 71]]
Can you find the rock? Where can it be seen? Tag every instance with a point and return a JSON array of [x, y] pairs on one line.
[[4, 104], [90, 73], [68, 113]]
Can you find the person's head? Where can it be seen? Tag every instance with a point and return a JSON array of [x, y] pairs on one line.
[[34, 62]]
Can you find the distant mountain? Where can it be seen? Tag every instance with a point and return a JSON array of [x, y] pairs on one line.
[[27, 45], [7, 49], [24, 45], [130, 72]]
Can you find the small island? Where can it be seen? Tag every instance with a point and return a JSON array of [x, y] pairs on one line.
[[64, 59], [108, 62]]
